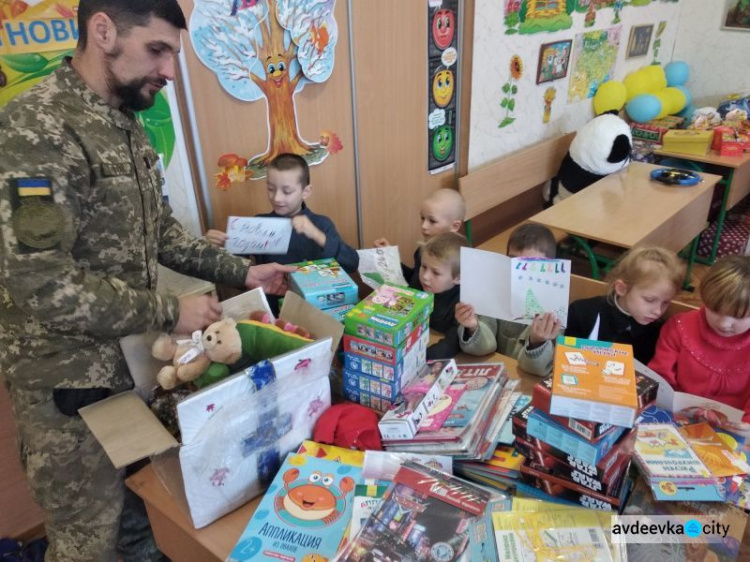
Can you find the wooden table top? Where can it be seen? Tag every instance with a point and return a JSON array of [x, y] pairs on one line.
[[713, 157], [628, 208], [215, 541]]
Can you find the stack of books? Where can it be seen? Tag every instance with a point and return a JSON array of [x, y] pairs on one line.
[[325, 285], [483, 397], [385, 344], [575, 435]]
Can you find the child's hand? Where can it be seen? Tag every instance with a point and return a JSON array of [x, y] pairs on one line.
[[381, 243], [543, 328], [217, 237], [466, 316], [303, 225]]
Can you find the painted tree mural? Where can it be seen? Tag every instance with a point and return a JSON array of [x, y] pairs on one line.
[[268, 49]]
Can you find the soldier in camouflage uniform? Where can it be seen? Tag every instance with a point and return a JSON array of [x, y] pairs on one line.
[[82, 228]]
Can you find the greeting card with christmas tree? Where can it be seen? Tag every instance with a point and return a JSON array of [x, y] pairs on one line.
[[516, 289]]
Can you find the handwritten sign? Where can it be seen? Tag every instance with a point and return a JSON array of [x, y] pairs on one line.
[[515, 289], [258, 235]]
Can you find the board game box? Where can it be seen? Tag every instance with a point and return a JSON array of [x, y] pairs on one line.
[[324, 284]]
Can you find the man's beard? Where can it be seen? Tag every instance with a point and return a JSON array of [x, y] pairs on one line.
[[131, 93]]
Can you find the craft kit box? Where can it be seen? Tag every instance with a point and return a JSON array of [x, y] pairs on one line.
[[688, 141], [386, 354], [235, 432], [324, 284], [413, 359], [389, 314]]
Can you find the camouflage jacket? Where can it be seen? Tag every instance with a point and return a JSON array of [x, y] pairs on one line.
[[82, 227]]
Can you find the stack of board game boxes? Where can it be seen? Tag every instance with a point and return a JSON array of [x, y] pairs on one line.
[[575, 433], [385, 343], [326, 286]]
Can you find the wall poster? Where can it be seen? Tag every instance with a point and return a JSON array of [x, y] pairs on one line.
[[442, 66]]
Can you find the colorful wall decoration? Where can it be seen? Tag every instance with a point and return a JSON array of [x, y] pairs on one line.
[[268, 49], [442, 61], [594, 56], [536, 16]]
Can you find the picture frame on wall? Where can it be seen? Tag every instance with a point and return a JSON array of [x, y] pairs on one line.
[[553, 61], [736, 16], [640, 40]]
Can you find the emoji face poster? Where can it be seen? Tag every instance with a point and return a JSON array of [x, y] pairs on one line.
[[442, 65]]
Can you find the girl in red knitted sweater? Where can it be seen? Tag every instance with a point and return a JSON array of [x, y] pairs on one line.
[[706, 352]]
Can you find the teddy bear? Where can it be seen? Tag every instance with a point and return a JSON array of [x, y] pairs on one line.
[[219, 343]]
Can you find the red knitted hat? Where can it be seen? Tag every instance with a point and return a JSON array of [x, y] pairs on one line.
[[349, 425]]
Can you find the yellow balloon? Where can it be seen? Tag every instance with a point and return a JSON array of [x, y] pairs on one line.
[[610, 95], [636, 83], [677, 100], [655, 76], [665, 100]]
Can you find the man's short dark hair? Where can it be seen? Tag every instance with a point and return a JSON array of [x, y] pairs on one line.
[[533, 236], [288, 161], [127, 14]]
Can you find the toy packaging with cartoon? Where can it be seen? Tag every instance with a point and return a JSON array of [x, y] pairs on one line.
[[324, 284]]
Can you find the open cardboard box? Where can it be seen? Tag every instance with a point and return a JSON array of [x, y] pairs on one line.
[[236, 432]]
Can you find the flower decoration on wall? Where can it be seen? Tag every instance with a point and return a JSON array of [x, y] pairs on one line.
[[510, 90]]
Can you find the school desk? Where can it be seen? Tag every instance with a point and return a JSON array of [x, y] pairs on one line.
[[173, 529], [628, 208], [735, 185]]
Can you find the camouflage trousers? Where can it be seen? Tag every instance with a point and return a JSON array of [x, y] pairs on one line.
[[89, 514]]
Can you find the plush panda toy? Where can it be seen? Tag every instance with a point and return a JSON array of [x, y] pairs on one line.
[[600, 148]]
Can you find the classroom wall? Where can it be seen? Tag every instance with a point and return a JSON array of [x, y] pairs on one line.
[[493, 50], [717, 57]]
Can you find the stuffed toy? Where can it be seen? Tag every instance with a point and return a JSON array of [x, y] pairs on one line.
[[600, 148], [191, 358]]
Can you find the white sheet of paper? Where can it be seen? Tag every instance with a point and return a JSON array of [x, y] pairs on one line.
[[381, 263], [258, 235], [538, 286], [485, 282]]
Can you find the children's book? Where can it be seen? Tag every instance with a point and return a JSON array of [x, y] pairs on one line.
[[514, 289], [425, 515], [713, 451], [476, 378], [595, 381], [506, 433], [442, 408], [367, 498], [303, 515], [383, 465], [332, 453], [381, 265]]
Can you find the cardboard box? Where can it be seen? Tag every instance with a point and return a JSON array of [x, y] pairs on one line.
[[338, 312], [688, 141], [235, 432], [413, 359], [324, 284], [386, 354], [389, 314], [653, 131], [417, 399], [594, 381]]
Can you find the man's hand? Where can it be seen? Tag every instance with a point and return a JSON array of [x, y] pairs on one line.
[[197, 312], [381, 243], [271, 277], [467, 317], [543, 328], [303, 225], [217, 237]]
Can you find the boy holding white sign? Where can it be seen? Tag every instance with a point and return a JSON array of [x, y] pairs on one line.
[[314, 236], [533, 344]]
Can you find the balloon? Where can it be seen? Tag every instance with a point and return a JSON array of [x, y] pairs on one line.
[[666, 103], [686, 93], [656, 79], [643, 108], [636, 83], [610, 95], [677, 73], [677, 100]]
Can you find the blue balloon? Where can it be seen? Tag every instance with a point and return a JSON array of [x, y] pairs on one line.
[[687, 113], [677, 73], [688, 96], [643, 108]]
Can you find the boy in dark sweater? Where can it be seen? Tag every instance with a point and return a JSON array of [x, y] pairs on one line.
[[440, 274]]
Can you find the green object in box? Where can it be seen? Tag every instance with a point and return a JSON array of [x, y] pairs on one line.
[[389, 314]]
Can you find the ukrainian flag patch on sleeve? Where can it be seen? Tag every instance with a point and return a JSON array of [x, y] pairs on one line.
[[34, 187]]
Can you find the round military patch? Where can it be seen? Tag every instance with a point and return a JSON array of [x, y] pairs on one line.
[[38, 224]]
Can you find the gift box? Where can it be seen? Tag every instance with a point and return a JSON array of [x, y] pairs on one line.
[[653, 132], [234, 433], [688, 141], [324, 284]]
